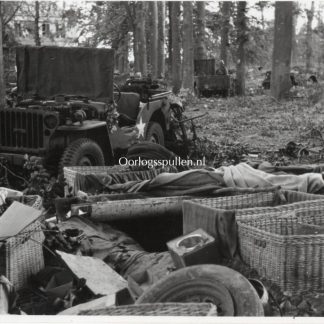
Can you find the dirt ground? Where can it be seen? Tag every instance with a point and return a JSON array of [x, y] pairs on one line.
[[260, 123]]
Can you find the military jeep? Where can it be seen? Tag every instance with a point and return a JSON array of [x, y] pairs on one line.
[[209, 81], [66, 109]]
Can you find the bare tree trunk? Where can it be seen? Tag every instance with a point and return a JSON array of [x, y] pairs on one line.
[[161, 41], [176, 55], [320, 26], [187, 43], [140, 32], [170, 40], [294, 40], [125, 54], [262, 4], [36, 33], [122, 56], [2, 81], [309, 37], [132, 21], [154, 37], [137, 67], [200, 48], [242, 38], [225, 12], [280, 76]]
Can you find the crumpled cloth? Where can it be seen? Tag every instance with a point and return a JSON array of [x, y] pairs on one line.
[[120, 251], [238, 176]]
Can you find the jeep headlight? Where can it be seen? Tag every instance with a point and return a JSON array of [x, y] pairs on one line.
[[50, 121]]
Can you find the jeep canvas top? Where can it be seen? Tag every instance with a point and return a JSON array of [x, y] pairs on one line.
[[48, 71]]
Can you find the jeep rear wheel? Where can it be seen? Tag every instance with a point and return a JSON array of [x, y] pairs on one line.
[[82, 152], [155, 133]]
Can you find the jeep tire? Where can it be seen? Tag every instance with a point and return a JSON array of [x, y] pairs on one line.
[[207, 283], [154, 133], [82, 152]]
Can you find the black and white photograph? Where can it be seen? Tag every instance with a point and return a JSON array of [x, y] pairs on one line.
[[161, 159]]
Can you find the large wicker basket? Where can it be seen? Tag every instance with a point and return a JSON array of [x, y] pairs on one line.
[[201, 213], [262, 198], [73, 175], [275, 245], [22, 255], [157, 309], [265, 242]]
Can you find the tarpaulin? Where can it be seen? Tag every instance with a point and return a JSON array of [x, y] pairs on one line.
[[49, 71], [100, 182], [186, 182]]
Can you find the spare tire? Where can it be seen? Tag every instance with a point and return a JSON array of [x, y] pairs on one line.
[[207, 283]]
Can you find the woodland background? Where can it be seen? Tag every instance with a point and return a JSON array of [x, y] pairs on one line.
[[163, 38]]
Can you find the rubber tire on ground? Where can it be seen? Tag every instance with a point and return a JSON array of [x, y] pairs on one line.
[[83, 147], [155, 129], [206, 279]]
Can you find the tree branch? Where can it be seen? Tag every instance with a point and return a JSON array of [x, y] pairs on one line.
[[13, 14]]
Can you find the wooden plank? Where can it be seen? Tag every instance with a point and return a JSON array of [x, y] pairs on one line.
[[100, 278], [132, 208]]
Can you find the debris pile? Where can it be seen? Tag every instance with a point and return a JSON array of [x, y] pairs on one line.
[[192, 242]]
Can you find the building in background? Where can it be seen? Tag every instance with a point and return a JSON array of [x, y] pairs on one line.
[[54, 26]]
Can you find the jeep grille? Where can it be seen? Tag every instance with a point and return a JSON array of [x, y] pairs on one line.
[[21, 130]]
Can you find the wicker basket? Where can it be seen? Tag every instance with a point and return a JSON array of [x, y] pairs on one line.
[[267, 237], [262, 198], [203, 213], [272, 244], [120, 174], [157, 309], [22, 255]]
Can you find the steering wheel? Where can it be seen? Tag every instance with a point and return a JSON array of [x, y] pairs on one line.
[[117, 96]]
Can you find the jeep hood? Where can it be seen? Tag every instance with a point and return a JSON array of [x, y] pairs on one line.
[[49, 71]]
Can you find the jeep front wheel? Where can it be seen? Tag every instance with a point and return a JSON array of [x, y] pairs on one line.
[[82, 152], [155, 133]]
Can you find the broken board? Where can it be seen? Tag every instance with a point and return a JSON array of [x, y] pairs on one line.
[[100, 278]]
